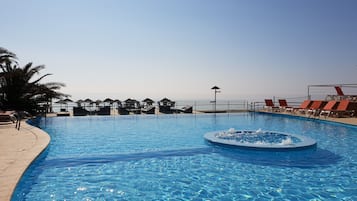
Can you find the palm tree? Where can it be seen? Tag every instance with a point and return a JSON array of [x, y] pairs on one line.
[[7, 59], [20, 90]]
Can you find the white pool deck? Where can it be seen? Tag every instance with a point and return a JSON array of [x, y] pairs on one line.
[[18, 148]]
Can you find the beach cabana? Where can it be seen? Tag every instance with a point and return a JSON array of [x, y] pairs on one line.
[[166, 106], [118, 102], [121, 108], [98, 102], [148, 101], [133, 106], [63, 111], [61, 102], [130, 105], [80, 110], [90, 103], [109, 100], [79, 102], [148, 107]]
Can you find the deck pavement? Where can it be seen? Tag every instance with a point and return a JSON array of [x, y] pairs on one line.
[[18, 148]]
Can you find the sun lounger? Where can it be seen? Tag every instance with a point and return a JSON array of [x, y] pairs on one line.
[[62, 114], [344, 109], [316, 107], [7, 116], [329, 107], [269, 105], [187, 109], [303, 107], [284, 105]]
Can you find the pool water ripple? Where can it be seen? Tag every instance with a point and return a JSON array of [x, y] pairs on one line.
[[166, 158]]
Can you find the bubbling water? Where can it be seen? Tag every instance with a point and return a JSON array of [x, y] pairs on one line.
[[258, 137]]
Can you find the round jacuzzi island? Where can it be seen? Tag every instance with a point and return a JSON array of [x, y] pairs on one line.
[[259, 139]]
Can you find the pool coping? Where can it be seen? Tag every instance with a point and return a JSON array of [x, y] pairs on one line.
[[19, 148]]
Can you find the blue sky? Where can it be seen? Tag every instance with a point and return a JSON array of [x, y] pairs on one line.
[[180, 49]]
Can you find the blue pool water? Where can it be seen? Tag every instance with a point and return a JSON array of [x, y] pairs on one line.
[[165, 157]]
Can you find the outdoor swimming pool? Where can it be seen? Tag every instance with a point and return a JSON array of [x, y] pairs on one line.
[[165, 157]]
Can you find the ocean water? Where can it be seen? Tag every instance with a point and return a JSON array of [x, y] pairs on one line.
[[165, 157]]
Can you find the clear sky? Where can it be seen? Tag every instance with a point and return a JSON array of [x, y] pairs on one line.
[[181, 48]]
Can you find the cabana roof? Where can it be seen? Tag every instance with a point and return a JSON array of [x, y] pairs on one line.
[[148, 100], [108, 100], [165, 100]]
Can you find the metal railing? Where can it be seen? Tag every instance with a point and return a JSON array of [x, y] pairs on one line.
[[197, 106]]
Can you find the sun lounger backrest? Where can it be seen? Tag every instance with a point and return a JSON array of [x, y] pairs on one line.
[[330, 105], [269, 102], [283, 103], [318, 105], [305, 104], [343, 105], [339, 91], [315, 105]]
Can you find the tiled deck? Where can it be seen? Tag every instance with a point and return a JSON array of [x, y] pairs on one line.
[[18, 148]]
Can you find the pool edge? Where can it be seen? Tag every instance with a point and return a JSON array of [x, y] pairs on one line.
[[36, 140]]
